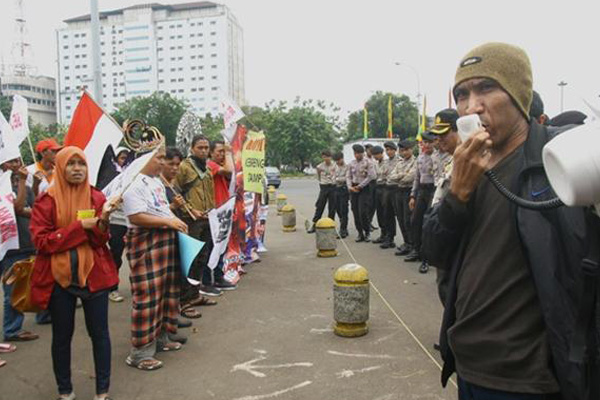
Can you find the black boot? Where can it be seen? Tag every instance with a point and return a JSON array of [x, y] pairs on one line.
[[380, 239], [424, 268], [344, 233], [412, 256], [367, 237], [388, 244], [360, 238], [403, 250], [312, 229]]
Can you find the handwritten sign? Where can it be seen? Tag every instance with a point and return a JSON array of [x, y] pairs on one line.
[[253, 159], [9, 236]]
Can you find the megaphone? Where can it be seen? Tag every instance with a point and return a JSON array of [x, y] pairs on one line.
[[572, 164]]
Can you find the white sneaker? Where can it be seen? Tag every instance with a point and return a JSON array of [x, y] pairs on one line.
[[115, 296]]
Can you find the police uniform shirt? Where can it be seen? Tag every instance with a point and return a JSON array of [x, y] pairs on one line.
[[403, 174], [380, 171], [424, 173], [389, 166], [340, 175], [360, 173], [326, 173]]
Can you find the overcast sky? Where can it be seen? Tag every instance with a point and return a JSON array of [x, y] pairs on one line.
[[340, 51]]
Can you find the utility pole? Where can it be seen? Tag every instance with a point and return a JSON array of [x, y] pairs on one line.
[[96, 62], [21, 48], [562, 85]]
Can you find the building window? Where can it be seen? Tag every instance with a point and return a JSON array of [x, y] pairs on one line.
[[213, 22]]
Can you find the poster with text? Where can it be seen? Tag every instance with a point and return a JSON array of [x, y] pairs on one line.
[[253, 156]]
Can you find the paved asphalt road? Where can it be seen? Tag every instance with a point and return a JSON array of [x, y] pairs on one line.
[[272, 338]]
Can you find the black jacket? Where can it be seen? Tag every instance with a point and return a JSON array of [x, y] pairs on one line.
[[555, 243]]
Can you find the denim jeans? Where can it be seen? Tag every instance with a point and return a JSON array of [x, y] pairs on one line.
[[62, 309], [468, 391], [13, 320]]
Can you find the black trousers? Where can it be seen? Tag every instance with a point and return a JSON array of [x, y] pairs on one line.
[[62, 310], [326, 196], [423, 202], [116, 244], [361, 208], [379, 208], [341, 206], [403, 213], [389, 212], [372, 187]]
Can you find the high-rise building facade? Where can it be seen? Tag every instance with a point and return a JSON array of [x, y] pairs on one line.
[[40, 92], [193, 51]]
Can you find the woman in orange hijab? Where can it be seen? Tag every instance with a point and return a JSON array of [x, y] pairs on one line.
[[69, 229]]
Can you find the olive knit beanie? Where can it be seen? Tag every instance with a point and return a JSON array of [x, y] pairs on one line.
[[506, 64]]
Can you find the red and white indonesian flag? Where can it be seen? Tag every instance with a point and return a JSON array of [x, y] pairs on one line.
[[92, 131]]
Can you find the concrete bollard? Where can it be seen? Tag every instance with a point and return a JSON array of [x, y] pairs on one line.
[[272, 195], [351, 300], [281, 201], [326, 238], [288, 218]]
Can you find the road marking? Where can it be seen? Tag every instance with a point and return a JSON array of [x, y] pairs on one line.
[[383, 339], [348, 373], [275, 394], [250, 368], [381, 356]]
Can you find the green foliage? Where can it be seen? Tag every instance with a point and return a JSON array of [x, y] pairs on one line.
[[296, 133], [5, 106], [39, 132], [404, 113], [159, 109], [212, 126]]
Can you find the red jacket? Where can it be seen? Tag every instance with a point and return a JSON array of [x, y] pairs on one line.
[[49, 239]]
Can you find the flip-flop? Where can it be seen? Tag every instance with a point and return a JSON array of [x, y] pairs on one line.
[[7, 348], [190, 313], [172, 346], [2, 363], [205, 301], [147, 364], [24, 336]]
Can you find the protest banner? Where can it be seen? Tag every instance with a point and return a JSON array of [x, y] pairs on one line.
[[253, 158], [230, 111], [9, 236], [220, 220], [9, 147], [189, 248]]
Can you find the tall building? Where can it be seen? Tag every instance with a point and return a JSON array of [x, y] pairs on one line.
[[39, 91], [193, 51]]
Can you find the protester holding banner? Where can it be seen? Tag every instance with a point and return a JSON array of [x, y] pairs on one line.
[[152, 253], [69, 226], [23, 203], [196, 182], [42, 172]]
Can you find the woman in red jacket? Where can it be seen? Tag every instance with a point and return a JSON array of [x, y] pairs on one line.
[[69, 229]]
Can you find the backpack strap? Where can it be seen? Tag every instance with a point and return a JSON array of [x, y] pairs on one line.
[[590, 267]]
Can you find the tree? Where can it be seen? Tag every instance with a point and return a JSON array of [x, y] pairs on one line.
[[39, 132], [404, 113], [159, 109], [297, 133], [5, 106]]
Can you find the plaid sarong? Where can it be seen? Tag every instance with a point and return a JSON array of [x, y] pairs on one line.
[[155, 283]]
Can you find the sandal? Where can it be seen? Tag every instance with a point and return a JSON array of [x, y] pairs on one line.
[[190, 313], [2, 363], [23, 336], [147, 364], [205, 301], [7, 348], [171, 346]]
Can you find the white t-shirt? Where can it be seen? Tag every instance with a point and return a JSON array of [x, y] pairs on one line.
[[44, 184], [146, 195]]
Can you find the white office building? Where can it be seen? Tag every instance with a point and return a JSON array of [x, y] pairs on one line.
[[193, 51], [40, 92]]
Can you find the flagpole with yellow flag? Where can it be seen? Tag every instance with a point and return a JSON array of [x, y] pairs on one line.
[[365, 122], [390, 130], [423, 126]]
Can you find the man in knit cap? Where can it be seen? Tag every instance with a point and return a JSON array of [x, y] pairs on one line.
[[517, 293]]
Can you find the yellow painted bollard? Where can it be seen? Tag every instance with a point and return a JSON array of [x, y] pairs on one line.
[[281, 202], [272, 195], [326, 238], [351, 300], [288, 218]]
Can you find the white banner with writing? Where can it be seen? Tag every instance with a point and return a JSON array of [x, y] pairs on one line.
[[9, 236], [220, 220]]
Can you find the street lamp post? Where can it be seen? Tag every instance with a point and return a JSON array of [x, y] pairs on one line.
[[414, 70], [562, 85]]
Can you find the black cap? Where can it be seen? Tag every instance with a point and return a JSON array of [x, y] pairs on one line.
[[568, 118], [445, 121], [390, 145], [368, 146], [377, 150], [429, 136], [358, 148], [406, 144]]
